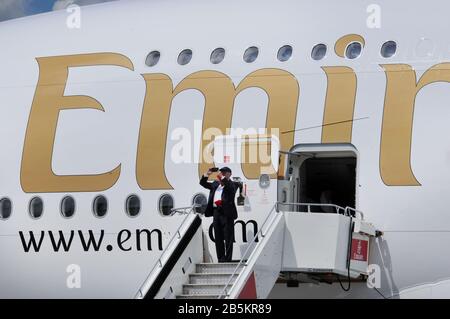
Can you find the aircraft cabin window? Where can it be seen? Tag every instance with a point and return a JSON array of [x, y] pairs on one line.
[[36, 207], [217, 55], [67, 207], [388, 49], [264, 181], [133, 206], [251, 54], [202, 201], [353, 50], [166, 204], [153, 58], [185, 57], [284, 53], [5, 208], [100, 206], [319, 52]]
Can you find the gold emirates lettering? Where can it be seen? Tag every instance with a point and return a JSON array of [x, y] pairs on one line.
[[283, 92]]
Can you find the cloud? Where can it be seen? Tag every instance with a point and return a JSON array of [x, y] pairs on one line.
[[10, 9], [62, 4]]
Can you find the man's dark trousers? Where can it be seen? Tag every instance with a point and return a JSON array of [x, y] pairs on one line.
[[223, 235]]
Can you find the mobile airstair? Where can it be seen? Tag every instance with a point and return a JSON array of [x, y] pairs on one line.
[[292, 240]]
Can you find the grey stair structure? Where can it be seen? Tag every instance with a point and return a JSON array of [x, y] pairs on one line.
[[209, 280], [281, 245]]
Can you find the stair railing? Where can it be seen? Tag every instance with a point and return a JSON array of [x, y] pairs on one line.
[[188, 211], [339, 209], [349, 209], [224, 292]]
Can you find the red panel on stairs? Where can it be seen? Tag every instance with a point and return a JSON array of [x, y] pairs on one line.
[[249, 290]]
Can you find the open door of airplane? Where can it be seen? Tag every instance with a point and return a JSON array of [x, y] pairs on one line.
[[318, 174]]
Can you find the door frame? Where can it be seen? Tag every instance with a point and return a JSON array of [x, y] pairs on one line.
[[305, 151]]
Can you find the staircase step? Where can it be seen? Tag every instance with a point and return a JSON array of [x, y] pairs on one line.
[[212, 278], [201, 289], [198, 296], [205, 268]]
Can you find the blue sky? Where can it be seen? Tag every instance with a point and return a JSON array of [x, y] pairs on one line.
[[38, 6], [10, 9]]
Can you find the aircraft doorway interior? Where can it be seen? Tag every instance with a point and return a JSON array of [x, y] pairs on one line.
[[320, 174], [329, 180]]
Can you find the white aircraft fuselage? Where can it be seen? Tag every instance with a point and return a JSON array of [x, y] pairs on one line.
[[83, 115]]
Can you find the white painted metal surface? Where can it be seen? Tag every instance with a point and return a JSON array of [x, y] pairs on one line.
[[316, 242]]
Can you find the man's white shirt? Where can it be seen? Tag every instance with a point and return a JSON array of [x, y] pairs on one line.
[[218, 195]]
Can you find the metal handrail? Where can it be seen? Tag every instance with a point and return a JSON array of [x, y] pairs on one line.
[[184, 210], [348, 208], [309, 205], [187, 212], [224, 291]]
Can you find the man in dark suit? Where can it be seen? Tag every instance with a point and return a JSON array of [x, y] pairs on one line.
[[223, 209]]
